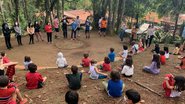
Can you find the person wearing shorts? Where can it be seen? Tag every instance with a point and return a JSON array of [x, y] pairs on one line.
[[103, 27]]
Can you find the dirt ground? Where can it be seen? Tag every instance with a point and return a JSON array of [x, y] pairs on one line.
[[92, 91]]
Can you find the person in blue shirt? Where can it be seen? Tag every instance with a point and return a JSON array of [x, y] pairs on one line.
[[111, 55], [74, 27], [87, 28], [115, 85]]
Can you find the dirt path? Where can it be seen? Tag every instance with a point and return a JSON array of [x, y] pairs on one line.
[[45, 54]]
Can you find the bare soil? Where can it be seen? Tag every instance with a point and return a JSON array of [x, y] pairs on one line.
[[92, 91]]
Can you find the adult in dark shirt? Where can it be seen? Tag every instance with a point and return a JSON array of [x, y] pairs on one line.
[[74, 79], [6, 31], [64, 26], [37, 31]]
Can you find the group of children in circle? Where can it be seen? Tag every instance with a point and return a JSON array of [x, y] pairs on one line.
[[172, 85]]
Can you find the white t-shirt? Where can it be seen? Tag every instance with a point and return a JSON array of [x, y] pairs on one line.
[[167, 55], [61, 62], [128, 71], [93, 73], [99, 22], [134, 48], [124, 55]]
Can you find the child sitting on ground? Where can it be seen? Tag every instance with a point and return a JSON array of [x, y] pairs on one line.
[[167, 54], [162, 58], [128, 68], [9, 93], [61, 61], [154, 68], [74, 79], [156, 50], [134, 48], [27, 61], [86, 61], [4, 66], [71, 97], [132, 97], [112, 55], [173, 86], [176, 51], [10, 71], [33, 78], [124, 53], [182, 64], [115, 85], [95, 73], [141, 47], [106, 65]]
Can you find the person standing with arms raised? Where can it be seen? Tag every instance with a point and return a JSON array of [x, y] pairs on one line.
[[6, 31]]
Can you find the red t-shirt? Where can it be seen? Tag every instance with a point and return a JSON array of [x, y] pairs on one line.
[[86, 62], [33, 79], [106, 67], [48, 28], [183, 63], [6, 96], [5, 60], [171, 83], [163, 59]]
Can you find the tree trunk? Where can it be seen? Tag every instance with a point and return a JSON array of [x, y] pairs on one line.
[[120, 13], [176, 23], [2, 11], [63, 7], [110, 27], [104, 7], [47, 11], [96, 12], [114, 9], [16, 2], [24, 2]]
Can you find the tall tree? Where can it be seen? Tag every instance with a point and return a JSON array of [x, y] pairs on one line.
[[173, 8], [120, 13], [16, 2]]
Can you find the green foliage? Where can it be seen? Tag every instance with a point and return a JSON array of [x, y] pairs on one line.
[[163, 37]]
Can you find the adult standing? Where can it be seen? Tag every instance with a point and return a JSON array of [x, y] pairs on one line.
[[133, 34], [6, 31], [99, 24], [37, 31], [31, 31], [122, 31], [103, 27], [56, 26], [87, 28], [150, 35], [18, 33], [64, 26], [48, 29], [78, 24], [74, 27], [183, 33]]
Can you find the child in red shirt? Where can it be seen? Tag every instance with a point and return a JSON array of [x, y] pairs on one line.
[[10, 72], [173, 86], [106, 65], [86, 61], [162, 57], [33, 78], [9, 94]]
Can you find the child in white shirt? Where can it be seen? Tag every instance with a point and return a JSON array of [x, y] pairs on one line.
[[61, 61]]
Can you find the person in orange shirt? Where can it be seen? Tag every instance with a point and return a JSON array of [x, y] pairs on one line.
[[103, 26]]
